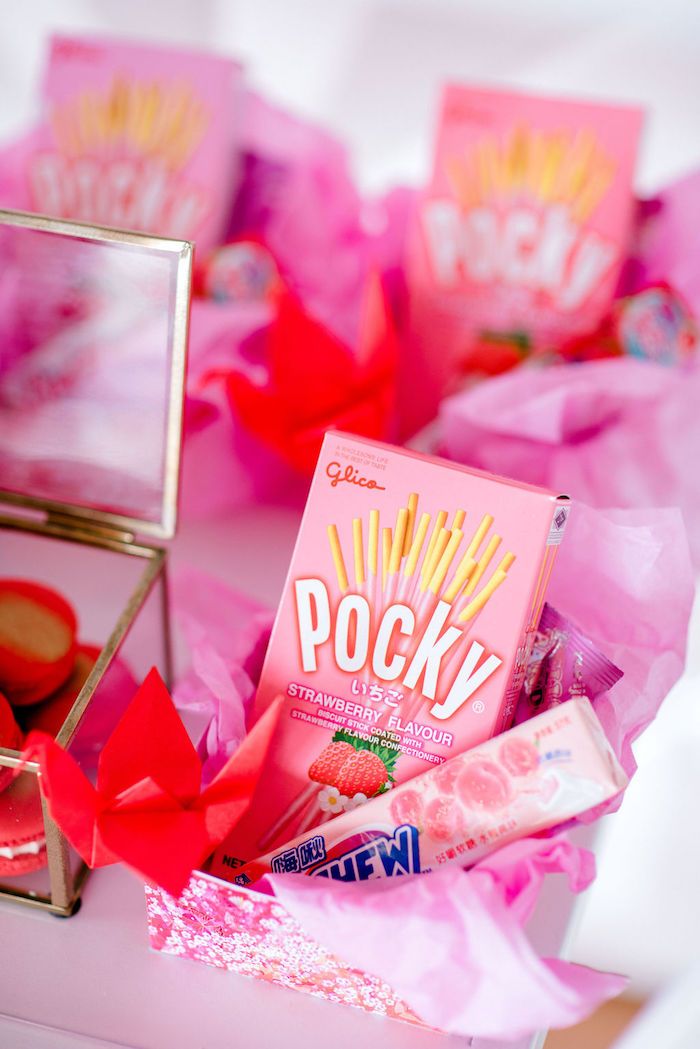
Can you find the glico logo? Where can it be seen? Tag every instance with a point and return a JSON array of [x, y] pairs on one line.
[[349, 475]]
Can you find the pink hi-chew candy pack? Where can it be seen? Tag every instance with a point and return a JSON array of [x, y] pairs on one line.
[[137, 137], [529, 779], [522, 229], [403, 632]]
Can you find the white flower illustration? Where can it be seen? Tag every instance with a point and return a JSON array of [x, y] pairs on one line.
[[331, 800], [356, 801]]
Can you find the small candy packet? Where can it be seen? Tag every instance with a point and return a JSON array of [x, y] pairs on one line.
[[657, 325], [654, 324], [564, 664], [241, 271]]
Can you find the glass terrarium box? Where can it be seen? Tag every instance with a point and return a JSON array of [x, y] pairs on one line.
[[93, 336]]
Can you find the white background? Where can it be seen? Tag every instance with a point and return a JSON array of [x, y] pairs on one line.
[[371, 70]]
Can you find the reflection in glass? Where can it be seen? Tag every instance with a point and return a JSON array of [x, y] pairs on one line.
[[86, 345]]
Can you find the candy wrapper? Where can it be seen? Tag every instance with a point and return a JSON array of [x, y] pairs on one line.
[[563, 664], [522, 782]]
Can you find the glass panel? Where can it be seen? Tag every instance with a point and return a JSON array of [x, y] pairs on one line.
[[23, 848], [88, 342], [97, 582], [100, 585], [143, 647]]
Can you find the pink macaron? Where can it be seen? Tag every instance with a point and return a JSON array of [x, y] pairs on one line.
[[22, 834]]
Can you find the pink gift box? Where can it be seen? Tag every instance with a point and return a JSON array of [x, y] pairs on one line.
[[280, 938], [256, 934], [252, 934]]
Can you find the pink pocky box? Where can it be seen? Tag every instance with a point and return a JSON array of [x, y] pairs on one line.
[[519, 236], [403, 632], [531, 778], [137, 137]]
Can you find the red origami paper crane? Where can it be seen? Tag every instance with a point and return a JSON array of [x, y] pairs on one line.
[[147, 809], [316, 383]]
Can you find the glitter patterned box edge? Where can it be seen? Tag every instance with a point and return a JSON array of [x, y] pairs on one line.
[[250, 933]]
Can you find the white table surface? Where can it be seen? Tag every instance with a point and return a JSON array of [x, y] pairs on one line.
[[93, 981]]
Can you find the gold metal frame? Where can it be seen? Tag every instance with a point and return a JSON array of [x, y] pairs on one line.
[[165, 527], [108, 531], [65, 886]]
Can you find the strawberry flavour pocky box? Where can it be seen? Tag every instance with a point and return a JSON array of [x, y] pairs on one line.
[[402, 635]]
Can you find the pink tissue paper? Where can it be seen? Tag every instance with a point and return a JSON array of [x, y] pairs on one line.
[[618, 432], [226, 635]]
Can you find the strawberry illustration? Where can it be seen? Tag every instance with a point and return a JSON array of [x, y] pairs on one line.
[[363, 772], [326, 767]]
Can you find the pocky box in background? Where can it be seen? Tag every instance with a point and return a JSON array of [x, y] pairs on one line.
[[518, 239], [527, 780], [403, 632], [137, 137]]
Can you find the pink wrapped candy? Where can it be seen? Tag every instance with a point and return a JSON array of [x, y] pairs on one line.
[[564, 663], [539, 774]]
